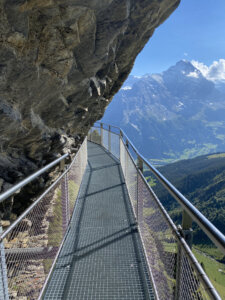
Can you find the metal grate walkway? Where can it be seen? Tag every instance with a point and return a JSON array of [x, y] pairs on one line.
[[102, 257]]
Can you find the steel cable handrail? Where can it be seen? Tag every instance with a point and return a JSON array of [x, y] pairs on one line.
[[212, 232]]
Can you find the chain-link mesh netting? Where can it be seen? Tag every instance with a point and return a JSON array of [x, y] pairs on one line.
[[75, 175], [122, 157], [105, 139], [170, 267], [3, 273], [32, 244], [130, 174], [190, 287], [94, 135], [110, 140], [160, 243], [115, 144]]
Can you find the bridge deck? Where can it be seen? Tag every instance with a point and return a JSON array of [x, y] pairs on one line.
[[102, 257]]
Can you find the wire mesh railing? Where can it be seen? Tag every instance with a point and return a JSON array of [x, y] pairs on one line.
[[94, 135], [159, 241], [190, 287], [130, 172], [173, 268], [109, 139], [29, 247]]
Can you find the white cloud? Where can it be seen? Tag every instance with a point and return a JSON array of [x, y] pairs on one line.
[[126, 88], [216, 71], [193, 74], [135, 127], [157, 78], [185, 54]]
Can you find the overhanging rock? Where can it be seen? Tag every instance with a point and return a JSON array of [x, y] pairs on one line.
[[61, 62]]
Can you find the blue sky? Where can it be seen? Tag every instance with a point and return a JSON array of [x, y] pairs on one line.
[[195, 31]]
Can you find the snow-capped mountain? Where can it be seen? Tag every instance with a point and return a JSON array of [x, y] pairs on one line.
[[175, 114]]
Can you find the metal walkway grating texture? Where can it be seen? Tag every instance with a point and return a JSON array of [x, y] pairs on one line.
[[102, 257]]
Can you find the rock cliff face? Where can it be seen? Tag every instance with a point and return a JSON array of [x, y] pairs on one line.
[[61, 62]]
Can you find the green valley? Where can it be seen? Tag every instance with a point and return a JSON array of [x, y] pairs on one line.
[[202, 181]]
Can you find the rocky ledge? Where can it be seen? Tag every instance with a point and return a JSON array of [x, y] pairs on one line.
[[61, 62]]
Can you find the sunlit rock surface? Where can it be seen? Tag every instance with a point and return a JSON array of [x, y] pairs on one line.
[[61, 62]]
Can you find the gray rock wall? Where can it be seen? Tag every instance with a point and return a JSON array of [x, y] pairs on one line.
[[61, 62]]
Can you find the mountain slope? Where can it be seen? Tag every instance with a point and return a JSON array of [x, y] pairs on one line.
[[173, 115], [202, 181]]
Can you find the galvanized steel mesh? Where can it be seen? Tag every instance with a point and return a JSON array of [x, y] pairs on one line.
[[105, 139], [159, 241], [190, 287], [28, 251], [123, 157], [75, 175], [160, 244], [108, 139], [130, 174], [171, 270], [31, 246], [94, 135], [115, 144]]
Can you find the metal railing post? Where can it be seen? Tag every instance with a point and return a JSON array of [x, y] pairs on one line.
[[139, 199], [187, 233], [65, 203], [126, 159], [62, 165], [91, 131], [109, 139], [121, 139], [101, 134], [178, 272], [140, 164], [3, 273]]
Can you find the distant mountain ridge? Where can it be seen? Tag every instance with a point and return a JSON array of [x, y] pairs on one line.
[[172, 115]]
